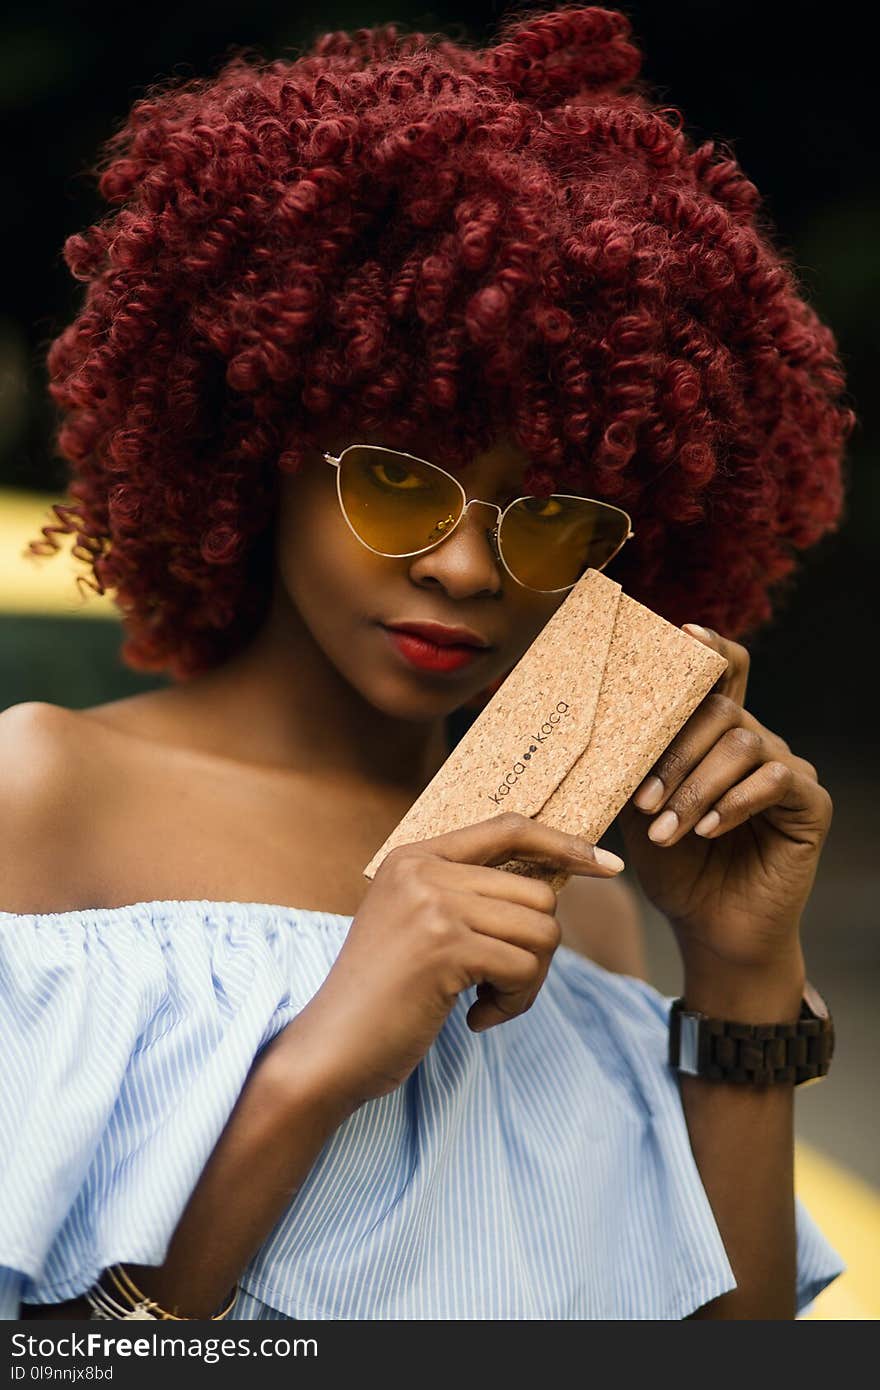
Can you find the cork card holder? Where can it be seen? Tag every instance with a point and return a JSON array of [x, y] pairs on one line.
[[574, 729]]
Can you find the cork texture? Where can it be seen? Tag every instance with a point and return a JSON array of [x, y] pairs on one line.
[[574, 729]]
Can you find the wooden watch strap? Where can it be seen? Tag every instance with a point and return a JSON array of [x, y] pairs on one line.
[[759, 1054]]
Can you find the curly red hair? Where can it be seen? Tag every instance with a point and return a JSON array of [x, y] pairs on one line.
[[395, 230]]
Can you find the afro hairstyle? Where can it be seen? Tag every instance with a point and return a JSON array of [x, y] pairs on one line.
[[394, 230]]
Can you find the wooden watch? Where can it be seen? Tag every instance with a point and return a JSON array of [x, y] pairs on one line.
[[758, 1054]]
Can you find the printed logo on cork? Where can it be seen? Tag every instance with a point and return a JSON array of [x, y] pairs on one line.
[[521, 765]]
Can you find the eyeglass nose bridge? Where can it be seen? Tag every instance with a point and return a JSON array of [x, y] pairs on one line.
[[491, 531]]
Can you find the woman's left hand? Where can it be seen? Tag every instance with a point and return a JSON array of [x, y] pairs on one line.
[[735, 890]]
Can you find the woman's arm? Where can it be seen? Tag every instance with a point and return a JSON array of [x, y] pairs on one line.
[[734, 893], [285, 1114], [743, 1142]]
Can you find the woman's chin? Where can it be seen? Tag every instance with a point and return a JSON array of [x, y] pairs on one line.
[[416, 701]]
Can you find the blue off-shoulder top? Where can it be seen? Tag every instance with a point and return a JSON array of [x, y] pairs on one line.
[[539, 1170]]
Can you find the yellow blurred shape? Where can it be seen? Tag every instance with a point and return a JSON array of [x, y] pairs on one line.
[[37, 584], [847, 1211]]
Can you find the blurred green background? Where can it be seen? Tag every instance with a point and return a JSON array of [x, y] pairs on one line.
[[792, 97]]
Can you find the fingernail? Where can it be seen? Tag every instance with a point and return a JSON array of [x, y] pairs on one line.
[[608, 860], [697, 630], [707, 824], [663, 826], [649, 794]]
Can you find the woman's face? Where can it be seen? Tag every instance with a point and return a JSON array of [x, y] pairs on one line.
[[345, 594]]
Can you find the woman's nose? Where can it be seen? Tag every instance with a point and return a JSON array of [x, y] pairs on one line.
[[467, 560]]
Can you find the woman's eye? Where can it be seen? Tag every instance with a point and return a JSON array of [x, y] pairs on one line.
[[395, 476], [544, 507]]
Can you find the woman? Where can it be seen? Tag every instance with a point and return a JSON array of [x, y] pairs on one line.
[[320, 281]]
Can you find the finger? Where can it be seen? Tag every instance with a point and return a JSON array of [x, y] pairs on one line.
[[801, 765], [790, 799], [714, 715], [511, 835], [538, 932], [497, 885], [736, 752], [507, 978], [734, 680]]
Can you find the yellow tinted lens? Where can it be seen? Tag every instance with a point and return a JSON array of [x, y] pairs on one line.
[[396, 504], [549, 543]]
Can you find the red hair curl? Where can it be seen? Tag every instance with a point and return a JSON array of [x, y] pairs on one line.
[[395, 230]]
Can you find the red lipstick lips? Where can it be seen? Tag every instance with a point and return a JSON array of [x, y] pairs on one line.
[[440, 635], [434, 647]]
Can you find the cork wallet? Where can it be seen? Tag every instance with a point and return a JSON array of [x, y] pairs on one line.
[[573, 730]]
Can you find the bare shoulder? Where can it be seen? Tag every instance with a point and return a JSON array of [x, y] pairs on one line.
[[35, 739], [42, 799], [602, 918]]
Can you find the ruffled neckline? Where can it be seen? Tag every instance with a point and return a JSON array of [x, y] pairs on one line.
[[187, 902]]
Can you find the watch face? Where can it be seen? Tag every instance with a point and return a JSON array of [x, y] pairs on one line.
[[814, 1001]]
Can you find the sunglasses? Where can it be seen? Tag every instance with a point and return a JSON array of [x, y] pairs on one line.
[[398, 505]]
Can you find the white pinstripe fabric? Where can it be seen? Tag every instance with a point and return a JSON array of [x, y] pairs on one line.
[[539, 1170]]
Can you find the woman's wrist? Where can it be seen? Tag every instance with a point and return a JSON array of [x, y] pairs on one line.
[[765, 993]]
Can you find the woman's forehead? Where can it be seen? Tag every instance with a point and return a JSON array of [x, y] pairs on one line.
[[499, 466]]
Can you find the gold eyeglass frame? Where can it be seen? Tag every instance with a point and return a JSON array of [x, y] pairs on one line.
[[492, 533]]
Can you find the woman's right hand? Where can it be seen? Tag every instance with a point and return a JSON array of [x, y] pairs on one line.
[[437, 919]]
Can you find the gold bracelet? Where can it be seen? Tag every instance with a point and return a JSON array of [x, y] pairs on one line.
[[137, 1304]]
